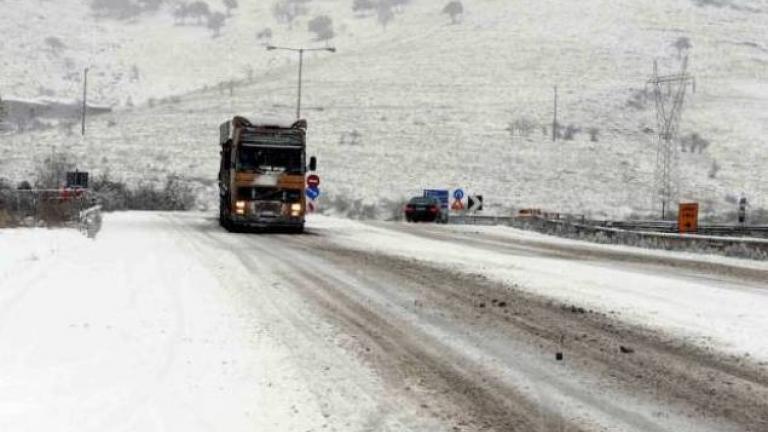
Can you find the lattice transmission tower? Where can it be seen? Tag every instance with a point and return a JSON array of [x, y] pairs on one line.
[[669, 94]]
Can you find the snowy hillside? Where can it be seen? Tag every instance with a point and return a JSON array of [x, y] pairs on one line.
[[424, 103]]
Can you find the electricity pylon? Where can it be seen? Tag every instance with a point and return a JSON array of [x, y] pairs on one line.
[[669, 93]]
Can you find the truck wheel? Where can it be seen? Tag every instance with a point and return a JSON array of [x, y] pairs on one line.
[[223, 216]]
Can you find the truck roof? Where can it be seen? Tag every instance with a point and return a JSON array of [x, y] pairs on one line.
[[228, 127], [281, 122]]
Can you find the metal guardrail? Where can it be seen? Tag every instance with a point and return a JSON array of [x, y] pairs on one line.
[[720, 239], [479, 220], [671, 227], [90, 221], [635, 226], [51, 207]]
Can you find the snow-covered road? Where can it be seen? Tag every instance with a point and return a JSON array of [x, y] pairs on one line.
[[165, 323]]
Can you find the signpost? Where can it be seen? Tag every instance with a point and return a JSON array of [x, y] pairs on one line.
[[77, 179], [743, 210], [441, 194], [458, 204], [475, 203], [312, 192], [688, 218]]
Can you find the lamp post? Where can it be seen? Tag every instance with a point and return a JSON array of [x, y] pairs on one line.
[[301, 52], [85, 101]]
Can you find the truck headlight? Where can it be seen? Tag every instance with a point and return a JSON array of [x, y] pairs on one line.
[[240, 207], [296, 209]]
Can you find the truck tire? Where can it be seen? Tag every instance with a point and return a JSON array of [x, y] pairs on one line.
[[224, 215]]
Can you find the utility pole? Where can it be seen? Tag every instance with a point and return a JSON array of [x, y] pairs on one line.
[[301, 52], [85, 99], [669, 110], [301, 67], [554, 119]]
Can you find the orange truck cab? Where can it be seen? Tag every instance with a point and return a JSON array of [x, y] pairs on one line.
[[262, 174]]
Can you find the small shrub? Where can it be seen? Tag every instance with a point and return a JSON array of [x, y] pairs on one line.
[[693, 143], [114, 195], [713, 170], [198, 10], [682, 45], [384, 14], [216, 21], [570, 132], [265, 34], [363, 5], [455, 10], [286, 11], [593, 134], [54, 44], [230, 5], [522, 126]]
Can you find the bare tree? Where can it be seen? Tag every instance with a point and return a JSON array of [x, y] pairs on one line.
[[570, 132], [682, 45], [363, 5], [3, 110], [265, 35], [54, 44], [593, 134], [216, 21], [454, 9], [198, 10], [135, 74], [322, 27], [180, 13], [286, 11], [230, 4], [384, 14], [120, 9]]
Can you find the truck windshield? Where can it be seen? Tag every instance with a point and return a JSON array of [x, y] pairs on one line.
[[270, 159]]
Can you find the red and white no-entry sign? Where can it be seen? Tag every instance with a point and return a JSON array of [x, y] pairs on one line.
[[313, 180]]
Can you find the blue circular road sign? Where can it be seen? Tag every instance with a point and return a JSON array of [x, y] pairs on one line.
[[458, 194], [312, 193]]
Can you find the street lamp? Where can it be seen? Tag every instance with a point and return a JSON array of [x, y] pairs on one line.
[[85, 100], [301, 52]]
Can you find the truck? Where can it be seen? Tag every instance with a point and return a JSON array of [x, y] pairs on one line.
[[262, 174]]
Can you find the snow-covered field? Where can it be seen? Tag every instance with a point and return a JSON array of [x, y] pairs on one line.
[[430, 102], [166, 322]]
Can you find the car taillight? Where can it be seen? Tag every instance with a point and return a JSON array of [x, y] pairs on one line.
[[408, 208], [433, 209]]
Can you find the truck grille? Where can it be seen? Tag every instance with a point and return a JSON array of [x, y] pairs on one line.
[[267, 209]]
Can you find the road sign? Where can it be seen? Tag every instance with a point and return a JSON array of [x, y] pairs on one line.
[[688, 218], [77, 179], [313, 180], [312, 193], [457, 205], [475, 203], [458, 195], [440, 194], [743, 210]]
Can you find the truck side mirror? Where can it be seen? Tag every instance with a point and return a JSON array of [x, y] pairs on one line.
[[312, 163]]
